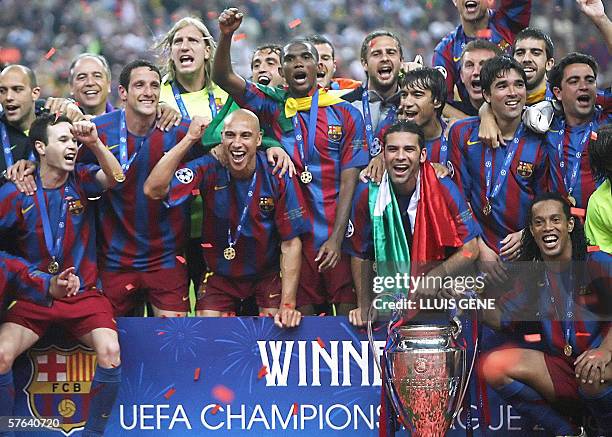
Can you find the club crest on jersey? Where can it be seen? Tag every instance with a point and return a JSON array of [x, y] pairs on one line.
[[266, 204], [75, 206], [525, 169], [59, 385], [334, 132], [503, 45], [184, 175]]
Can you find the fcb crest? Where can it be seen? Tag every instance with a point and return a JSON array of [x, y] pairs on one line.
[[59, 385], [266, 204], [524, 169], [75, 206], [334, 132]]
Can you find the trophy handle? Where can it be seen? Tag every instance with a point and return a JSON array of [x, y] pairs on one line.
[[370, 331], [465, 384]]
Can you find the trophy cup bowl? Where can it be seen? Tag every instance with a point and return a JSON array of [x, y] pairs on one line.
[[426, 377]]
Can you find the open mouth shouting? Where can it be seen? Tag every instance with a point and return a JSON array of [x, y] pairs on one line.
[[186, 61], [237, 156], [299, 77], [264, 79], [400, 170], [550, 241], [471, 7], [70, 157], [12, 110], [584, 100], [385, 72]]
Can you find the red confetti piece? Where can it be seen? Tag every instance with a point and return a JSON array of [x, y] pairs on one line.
[[594, 136], [239, 36], [206, 245], [262, 372], [467, 254], [216, 409], [578, 212], [157, 21], [583, 334], [593, 249], [180, 259], [223, 394], [262, 315], [129, 287], [294, 411], [294, 23], [321, 342], [484, 33], [161, 333], [533, 338], [270, 315], [322, 314], [196, 374], [50, 53], [211, 15], [169, 393], [195, 192]]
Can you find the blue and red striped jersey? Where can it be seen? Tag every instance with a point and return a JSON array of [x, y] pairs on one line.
[[433, 146], [358, 241], [20, 215], [23, 281], [276, 213], [571, 141], [528, 176], [504, 23], [583, 293], [135, 232], [339, 145]]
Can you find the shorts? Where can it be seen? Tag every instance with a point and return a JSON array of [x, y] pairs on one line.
[[333, 286], [78, 315], [166, 289], [563, 377], [221, 293]]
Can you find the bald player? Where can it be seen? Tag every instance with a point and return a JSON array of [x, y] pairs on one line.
[[249, 214]]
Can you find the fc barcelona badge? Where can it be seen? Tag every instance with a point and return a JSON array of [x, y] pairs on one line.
[[334, 132], [75, 206], [266, 204], [524, 169]]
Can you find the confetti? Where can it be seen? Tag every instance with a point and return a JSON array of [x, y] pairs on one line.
[[195, 192], [216, 409], [484, 33], [206, 245], [593, 249], [239, 36], [294, 23], [211, 15], [578, 212], [50, 53], [161, 333], [129, 287], [180, 259], [467, 254], [583, 334], [223, 394], [321, 342], [262, 372], [594, 136], [294, 411], [196, 374], [322, 314], [169, 393], [533, 338]]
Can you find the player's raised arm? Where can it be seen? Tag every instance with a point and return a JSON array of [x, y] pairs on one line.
[[223, 73], [157, 184], [594, 9]]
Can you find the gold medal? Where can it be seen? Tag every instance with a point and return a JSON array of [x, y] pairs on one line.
[[486, 210], [119, 176], [306, 176], [229, 253], [53, 267], [572, 200], [567, 350]]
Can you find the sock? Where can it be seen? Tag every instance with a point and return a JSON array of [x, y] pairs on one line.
[[102, 398], [600, 407], [531, 404], [7, 397]]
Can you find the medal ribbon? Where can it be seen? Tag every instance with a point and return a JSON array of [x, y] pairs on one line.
[[443, 144], [6, 146], [232, 242], [367, 118], [569, 304], [501, 177], [312, 128], [183, 108], [573, 161], [123, 146], [53, 249]]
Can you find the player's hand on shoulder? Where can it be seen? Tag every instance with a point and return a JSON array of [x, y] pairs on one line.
[[21, 174], [167, 117], [281, 161]]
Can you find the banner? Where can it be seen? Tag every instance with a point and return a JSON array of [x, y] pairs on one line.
[[224, 376]]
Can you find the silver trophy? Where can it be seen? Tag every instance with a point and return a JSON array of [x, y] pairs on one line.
[[426, 376]]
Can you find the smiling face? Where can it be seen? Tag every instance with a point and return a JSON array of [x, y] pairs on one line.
[[17, 97], [61, 149], [382, 63], [300, 68], [418, 105], [531, 54], [327, 65], [266, 67], [90, 85], [578, 91], [142, 94], [471, 10], [471, 65], [241, 137], [551, 229], [189, 50], [403, 156], [507, 95]]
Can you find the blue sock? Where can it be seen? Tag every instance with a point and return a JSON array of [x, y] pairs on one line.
[[102, 398], [532, 405], [7, 397], [600, 407]]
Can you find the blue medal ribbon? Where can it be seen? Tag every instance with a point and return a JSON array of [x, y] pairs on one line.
[[573, 161], [566, 319], [123, 146], [312, 129], [181, 105], [54, 248], [6, 146], [231, 242], [503, 174], [443, 144], [374, 145]]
